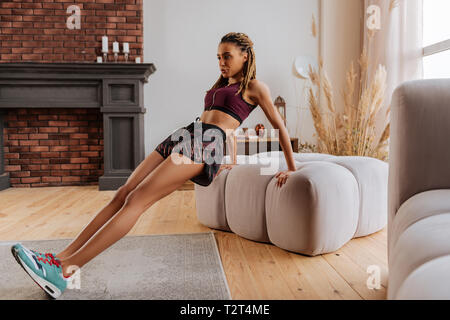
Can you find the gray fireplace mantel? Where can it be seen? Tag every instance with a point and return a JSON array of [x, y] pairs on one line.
[[115, 88]]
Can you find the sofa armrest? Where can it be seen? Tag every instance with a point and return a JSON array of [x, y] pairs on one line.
[[419, 150]]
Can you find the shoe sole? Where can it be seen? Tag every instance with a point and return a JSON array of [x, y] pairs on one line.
[[49, 288]]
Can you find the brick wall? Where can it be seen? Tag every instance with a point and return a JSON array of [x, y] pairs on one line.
[[36, 30], [53, 147], [61, 146]]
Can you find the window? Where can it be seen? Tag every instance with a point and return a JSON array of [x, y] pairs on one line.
[[436, 39]]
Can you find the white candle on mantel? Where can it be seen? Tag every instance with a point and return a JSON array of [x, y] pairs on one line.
[[105, 44], [126, 47], [115, 47]]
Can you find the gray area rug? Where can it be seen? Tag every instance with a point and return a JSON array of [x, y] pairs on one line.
[[149, 267]]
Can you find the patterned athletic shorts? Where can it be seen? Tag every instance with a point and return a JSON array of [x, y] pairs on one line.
[[201, 145]]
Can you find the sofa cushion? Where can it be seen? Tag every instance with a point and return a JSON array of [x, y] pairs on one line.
[[425, 282], [420, 206], [371, 175], [327, 201], [210, 203], [315, 211], [421, 242]]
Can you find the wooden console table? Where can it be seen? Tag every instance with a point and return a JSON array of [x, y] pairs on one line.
[[249, 146]]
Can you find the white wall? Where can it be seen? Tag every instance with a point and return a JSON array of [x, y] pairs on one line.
[[181, 39]]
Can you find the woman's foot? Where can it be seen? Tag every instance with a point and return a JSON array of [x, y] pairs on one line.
[[46, 272]]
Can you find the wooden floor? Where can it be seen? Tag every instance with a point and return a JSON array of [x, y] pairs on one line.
[[254, 270]]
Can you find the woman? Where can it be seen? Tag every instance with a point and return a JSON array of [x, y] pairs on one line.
[[235, 94]]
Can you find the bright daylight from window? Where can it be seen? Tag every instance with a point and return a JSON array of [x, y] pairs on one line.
[[436, 28]]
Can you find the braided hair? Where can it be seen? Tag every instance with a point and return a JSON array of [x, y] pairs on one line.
[[242, 41]]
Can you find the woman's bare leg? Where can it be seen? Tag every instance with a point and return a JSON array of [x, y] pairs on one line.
[[165, 179], [137, 176]]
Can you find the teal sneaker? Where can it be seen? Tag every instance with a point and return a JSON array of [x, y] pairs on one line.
[[45, 271], [44, 255]]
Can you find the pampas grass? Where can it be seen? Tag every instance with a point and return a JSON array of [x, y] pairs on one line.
[[350, 132], [393, 4]]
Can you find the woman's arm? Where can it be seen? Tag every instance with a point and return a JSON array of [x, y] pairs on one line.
[[231, 146], [261, 94]]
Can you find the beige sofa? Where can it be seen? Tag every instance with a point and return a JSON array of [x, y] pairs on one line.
[[419, 191], [325, 203]]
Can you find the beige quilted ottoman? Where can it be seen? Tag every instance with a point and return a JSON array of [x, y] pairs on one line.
[[325, 203]]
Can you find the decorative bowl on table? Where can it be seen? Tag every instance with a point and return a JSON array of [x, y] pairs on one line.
[[259, 128]]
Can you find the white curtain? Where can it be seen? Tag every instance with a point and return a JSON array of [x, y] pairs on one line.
[[398, 44]]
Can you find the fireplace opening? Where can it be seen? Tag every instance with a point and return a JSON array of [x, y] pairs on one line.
[[53, 146]]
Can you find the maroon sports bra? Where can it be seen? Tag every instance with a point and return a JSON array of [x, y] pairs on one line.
[[225, 100]]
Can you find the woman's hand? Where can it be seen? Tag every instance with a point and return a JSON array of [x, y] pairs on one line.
[[283, 176], [226, 167]]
